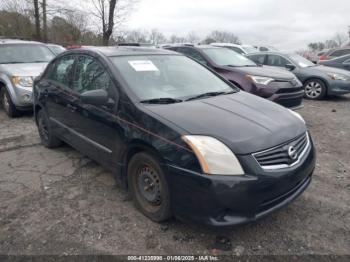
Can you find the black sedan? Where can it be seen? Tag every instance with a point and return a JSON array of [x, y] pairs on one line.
[[319, 81], [342, 62], [183, 140]]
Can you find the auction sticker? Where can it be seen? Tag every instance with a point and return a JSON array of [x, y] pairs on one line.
[[143, 65]]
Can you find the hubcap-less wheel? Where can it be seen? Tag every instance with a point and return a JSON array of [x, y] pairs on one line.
[[43, 129], [6, 103], [313, 90], [149, 185]]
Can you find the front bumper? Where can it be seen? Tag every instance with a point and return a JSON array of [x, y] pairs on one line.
[[22, 97], [336, 87], [283, 93], [233, 200]]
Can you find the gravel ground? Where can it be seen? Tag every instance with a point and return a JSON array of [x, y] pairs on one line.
[[60, 202]]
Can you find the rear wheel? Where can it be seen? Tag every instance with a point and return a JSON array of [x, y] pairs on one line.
[[7, 104], [315, 89], [148, 187], [48, 139]]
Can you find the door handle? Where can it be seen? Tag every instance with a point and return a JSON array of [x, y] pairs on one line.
[[71, 107]]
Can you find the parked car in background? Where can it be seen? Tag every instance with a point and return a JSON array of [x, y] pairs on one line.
[[56, 49], [240, 49], [276, 85], [20, 63], [264, 48], [180, 138], [342, 62], [318, 81], [333, 53], [137, 44]]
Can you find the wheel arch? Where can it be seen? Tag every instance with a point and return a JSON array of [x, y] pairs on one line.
[[136, 146], [319, 79]]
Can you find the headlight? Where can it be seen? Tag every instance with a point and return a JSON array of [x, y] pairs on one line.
[[26, 81], [297, 115], [261, 79], [338, 77], [213, 156]]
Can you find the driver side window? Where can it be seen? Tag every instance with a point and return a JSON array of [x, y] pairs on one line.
[[90, 75]]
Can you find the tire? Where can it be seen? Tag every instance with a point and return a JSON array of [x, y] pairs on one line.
[[7, 104], [315, 89], [48, 139], [148, 187]]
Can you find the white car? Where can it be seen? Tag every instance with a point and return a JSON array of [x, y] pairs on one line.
[[240, 49]]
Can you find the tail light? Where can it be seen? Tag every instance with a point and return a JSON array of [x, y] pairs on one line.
[[323, 57]]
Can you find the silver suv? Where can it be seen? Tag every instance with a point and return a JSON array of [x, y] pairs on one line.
[[20, 63]]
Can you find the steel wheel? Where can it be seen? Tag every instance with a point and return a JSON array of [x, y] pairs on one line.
[[148, 186], [315, 89], [43, 128], [47, 138]]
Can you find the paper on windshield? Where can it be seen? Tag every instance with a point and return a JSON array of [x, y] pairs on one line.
[[143, 65]]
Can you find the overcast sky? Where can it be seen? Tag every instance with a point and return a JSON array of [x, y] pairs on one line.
[[288, 25]]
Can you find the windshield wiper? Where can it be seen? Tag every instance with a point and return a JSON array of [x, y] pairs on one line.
[[210, 94], [162, 100]]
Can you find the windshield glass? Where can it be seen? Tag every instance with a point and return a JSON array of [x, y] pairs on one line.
[[167, 76], [56, 49], [301, 61], [227, 57], [24, 53], [249, 49]]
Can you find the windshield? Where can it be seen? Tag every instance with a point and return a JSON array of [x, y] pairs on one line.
[[249, 49], [56, 49], [227, 57], [301, 61], [24, 53], [167, 76]]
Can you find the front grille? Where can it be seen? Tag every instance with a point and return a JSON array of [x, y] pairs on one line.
[[288, 90], [285, 155], [291, 102]]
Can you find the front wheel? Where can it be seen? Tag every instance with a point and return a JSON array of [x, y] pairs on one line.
[[315, 89], [48, 139], [148, 187], [7, 104]]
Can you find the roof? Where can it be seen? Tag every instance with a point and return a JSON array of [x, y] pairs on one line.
[[191, 45], [269, 53], [17, 41], [126, 50]]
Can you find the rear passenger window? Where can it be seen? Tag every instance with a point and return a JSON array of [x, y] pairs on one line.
[[341, 52], [259, 59], [276, 60], [63, 71]]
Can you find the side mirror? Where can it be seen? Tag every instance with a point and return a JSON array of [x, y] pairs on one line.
[[97, 97], [290, 67]]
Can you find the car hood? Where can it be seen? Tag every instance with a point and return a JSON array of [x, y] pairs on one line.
[[30, 69], [267, 71], [327, 69], [244, 122]]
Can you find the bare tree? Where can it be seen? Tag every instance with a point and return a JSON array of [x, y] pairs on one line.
[[37, 20], [156, 37], [110, 13], [192, 37], [136, 36], [44, 8], [223, 36]]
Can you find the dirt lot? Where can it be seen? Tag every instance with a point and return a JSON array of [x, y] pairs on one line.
[[60, 202]]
